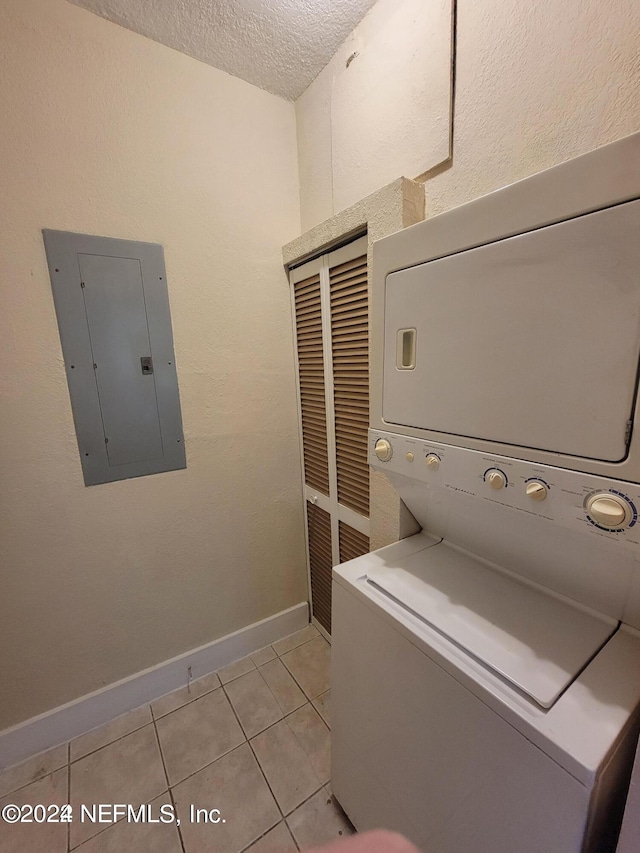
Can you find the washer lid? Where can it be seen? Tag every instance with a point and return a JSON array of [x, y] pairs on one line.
[[537, 641]]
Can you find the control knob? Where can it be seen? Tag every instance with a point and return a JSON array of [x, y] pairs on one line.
[[432, 461], [383, 450], [609, 510], [496, 479], [536, 490]]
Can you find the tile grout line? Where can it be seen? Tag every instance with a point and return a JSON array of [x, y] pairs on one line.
[[330, 799], [257, 669], [299, 646], [120, 820], [284, 716], [274, 695], [188, 702], [255, 757], [255, 841], [246, 739], [321, 784], [308, 702], [284, 719], [312, 794], [166, 776], [303, 747], [152, 721], [108, 743], [37, 778], [304, 802], [304, 692], [236, 677], [91, 837], [275, 698], [208, 764]]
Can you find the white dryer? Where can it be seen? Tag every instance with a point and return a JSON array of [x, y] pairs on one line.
[[486, 670]]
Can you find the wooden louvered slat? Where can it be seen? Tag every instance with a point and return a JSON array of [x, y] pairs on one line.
[[352, 543], [352, 467], [342, 342], [353, 500], [312, 391], [357, 402], [351, 448], [314, 418], [350, 353], [346, 299], [306, 286], [352, 392], [341, 283], [347, 316], [305, 296], [309, 328], [319, 530], [348, 267]]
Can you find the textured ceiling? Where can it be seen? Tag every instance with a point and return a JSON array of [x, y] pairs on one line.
[[278, 45]]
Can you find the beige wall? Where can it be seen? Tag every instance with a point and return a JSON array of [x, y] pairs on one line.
[[537, 84], [385, 115], [109, 133]]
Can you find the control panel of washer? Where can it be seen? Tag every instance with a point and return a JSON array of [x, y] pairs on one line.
[[605, 507]]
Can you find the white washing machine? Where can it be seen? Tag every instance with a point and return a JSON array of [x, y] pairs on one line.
[[486, 670]]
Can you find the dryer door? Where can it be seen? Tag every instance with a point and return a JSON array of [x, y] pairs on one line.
[[531, 341]]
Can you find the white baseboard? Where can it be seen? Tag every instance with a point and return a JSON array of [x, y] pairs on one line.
[[93, 710]]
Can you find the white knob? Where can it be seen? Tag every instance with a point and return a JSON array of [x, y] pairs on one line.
[[536, 490], [432, 462], [496, 480], [409, 456], [609, 510], [383, 450]]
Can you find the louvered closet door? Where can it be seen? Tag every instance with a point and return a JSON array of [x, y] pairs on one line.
[[311, 382], [352, 543], [320, 563], [331, 313], [350, 353]]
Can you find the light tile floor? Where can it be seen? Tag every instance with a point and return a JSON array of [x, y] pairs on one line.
[[251, 740]]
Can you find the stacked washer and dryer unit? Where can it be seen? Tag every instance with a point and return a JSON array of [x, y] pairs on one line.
[[486, 669]]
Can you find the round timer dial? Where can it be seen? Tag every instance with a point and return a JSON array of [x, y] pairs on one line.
[[608, 510], [383, 450], [536, 490], [495, 478]]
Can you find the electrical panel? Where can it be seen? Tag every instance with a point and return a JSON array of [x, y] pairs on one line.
[[113, 313]]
